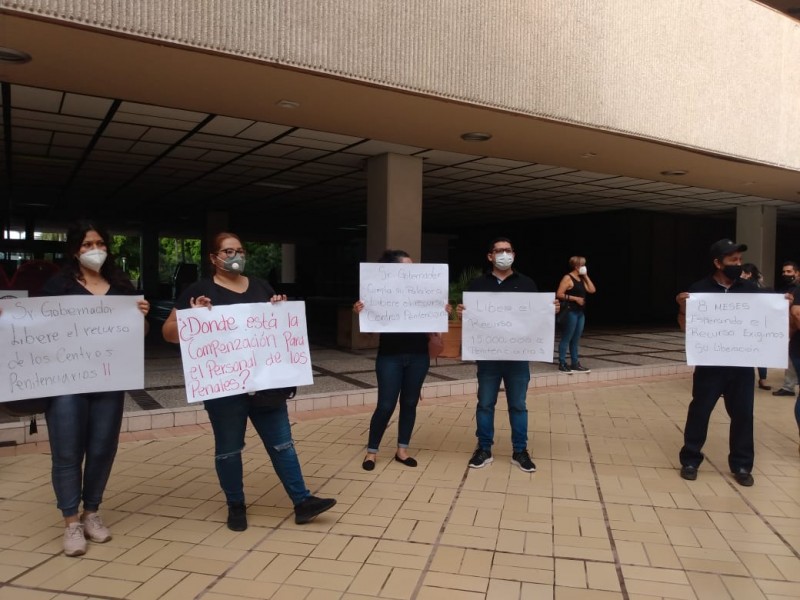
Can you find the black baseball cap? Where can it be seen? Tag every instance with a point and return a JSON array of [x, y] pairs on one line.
[[725, 247]]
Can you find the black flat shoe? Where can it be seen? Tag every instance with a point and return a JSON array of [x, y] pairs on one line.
[[409, 462], [368, 464], [763, 385]]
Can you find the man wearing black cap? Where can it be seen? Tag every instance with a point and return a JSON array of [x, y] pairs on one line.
[[734, 384]]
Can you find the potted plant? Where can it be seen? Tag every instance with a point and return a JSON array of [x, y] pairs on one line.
[[452, 337]]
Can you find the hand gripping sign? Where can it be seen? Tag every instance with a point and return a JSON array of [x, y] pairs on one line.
[[243, 348]]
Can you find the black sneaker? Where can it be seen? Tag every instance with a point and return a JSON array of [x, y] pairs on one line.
[[237, 517], [480, 458], [579, 368], [523, 460], [782, 392], [743, 477], [311, 507], [564, 368], [688, 472]]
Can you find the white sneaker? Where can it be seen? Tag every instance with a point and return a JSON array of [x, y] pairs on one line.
[[94, 529], [74, 540]]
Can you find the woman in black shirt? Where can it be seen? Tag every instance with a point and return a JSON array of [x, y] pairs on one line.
[[400, 366], [228, 415], [84, 429]]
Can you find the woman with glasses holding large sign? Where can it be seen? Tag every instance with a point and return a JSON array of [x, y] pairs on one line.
[[228, 416]]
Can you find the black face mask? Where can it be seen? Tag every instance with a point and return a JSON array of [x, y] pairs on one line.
[[732, 272], [788, 278]]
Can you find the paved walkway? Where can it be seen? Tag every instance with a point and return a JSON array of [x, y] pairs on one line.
[[606, 515]]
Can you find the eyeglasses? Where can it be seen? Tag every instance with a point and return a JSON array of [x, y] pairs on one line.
[[501, 250], [230, 252]]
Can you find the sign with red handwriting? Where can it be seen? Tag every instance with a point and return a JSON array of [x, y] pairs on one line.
[[241, 348], [58, 345]]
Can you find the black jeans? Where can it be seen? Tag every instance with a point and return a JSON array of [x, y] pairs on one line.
[[400, 377], [735, 385]]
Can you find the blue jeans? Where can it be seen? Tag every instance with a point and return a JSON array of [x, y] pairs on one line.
[[571, 332], [515, 375], [83, 427], [228, 418], [735, 385], [400, 376], [795, 358]]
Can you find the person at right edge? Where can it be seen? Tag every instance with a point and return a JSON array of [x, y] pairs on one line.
[[734, 384], [794, 345], [514, 374], [790, 278], [229, 415]]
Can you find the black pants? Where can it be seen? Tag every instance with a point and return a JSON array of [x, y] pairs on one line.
[[735, 385]]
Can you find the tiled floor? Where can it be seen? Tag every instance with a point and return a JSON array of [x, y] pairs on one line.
[[605, 517]]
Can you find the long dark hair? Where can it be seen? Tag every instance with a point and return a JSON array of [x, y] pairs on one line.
[[393, 256], [109, 271]]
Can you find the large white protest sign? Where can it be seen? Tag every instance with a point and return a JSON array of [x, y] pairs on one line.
[[242, 348], [737, 330], [508, 326], [401, 297], [70, 345]]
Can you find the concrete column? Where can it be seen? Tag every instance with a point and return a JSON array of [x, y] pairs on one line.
[[288, 271], [394, 205], [755, 226]]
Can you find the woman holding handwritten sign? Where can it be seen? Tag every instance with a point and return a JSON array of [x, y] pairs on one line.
[[229, 415], [84, 428], [401, 367]]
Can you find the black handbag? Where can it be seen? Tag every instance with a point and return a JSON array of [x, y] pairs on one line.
[[274, 398], [562, 312]]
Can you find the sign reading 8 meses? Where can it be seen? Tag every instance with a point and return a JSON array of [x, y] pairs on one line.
[[737, 330]]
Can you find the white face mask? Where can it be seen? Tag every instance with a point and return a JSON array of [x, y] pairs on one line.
[[582, 271], [503, 260], [93, 259]]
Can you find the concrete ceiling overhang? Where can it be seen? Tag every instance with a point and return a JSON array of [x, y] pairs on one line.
[[93, 63]]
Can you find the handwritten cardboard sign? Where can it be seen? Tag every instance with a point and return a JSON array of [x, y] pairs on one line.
[[403, 297], [508, 326], [737, 330], [70, 345], [242, 348]]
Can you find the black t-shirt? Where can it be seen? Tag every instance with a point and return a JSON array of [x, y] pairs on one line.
[[794, 342], [516, 282], [403, 343], [709, 285], [257, 290], [65, 284]]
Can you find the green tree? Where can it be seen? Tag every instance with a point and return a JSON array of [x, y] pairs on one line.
[[172, 251], [127, 250], [262, 258]]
